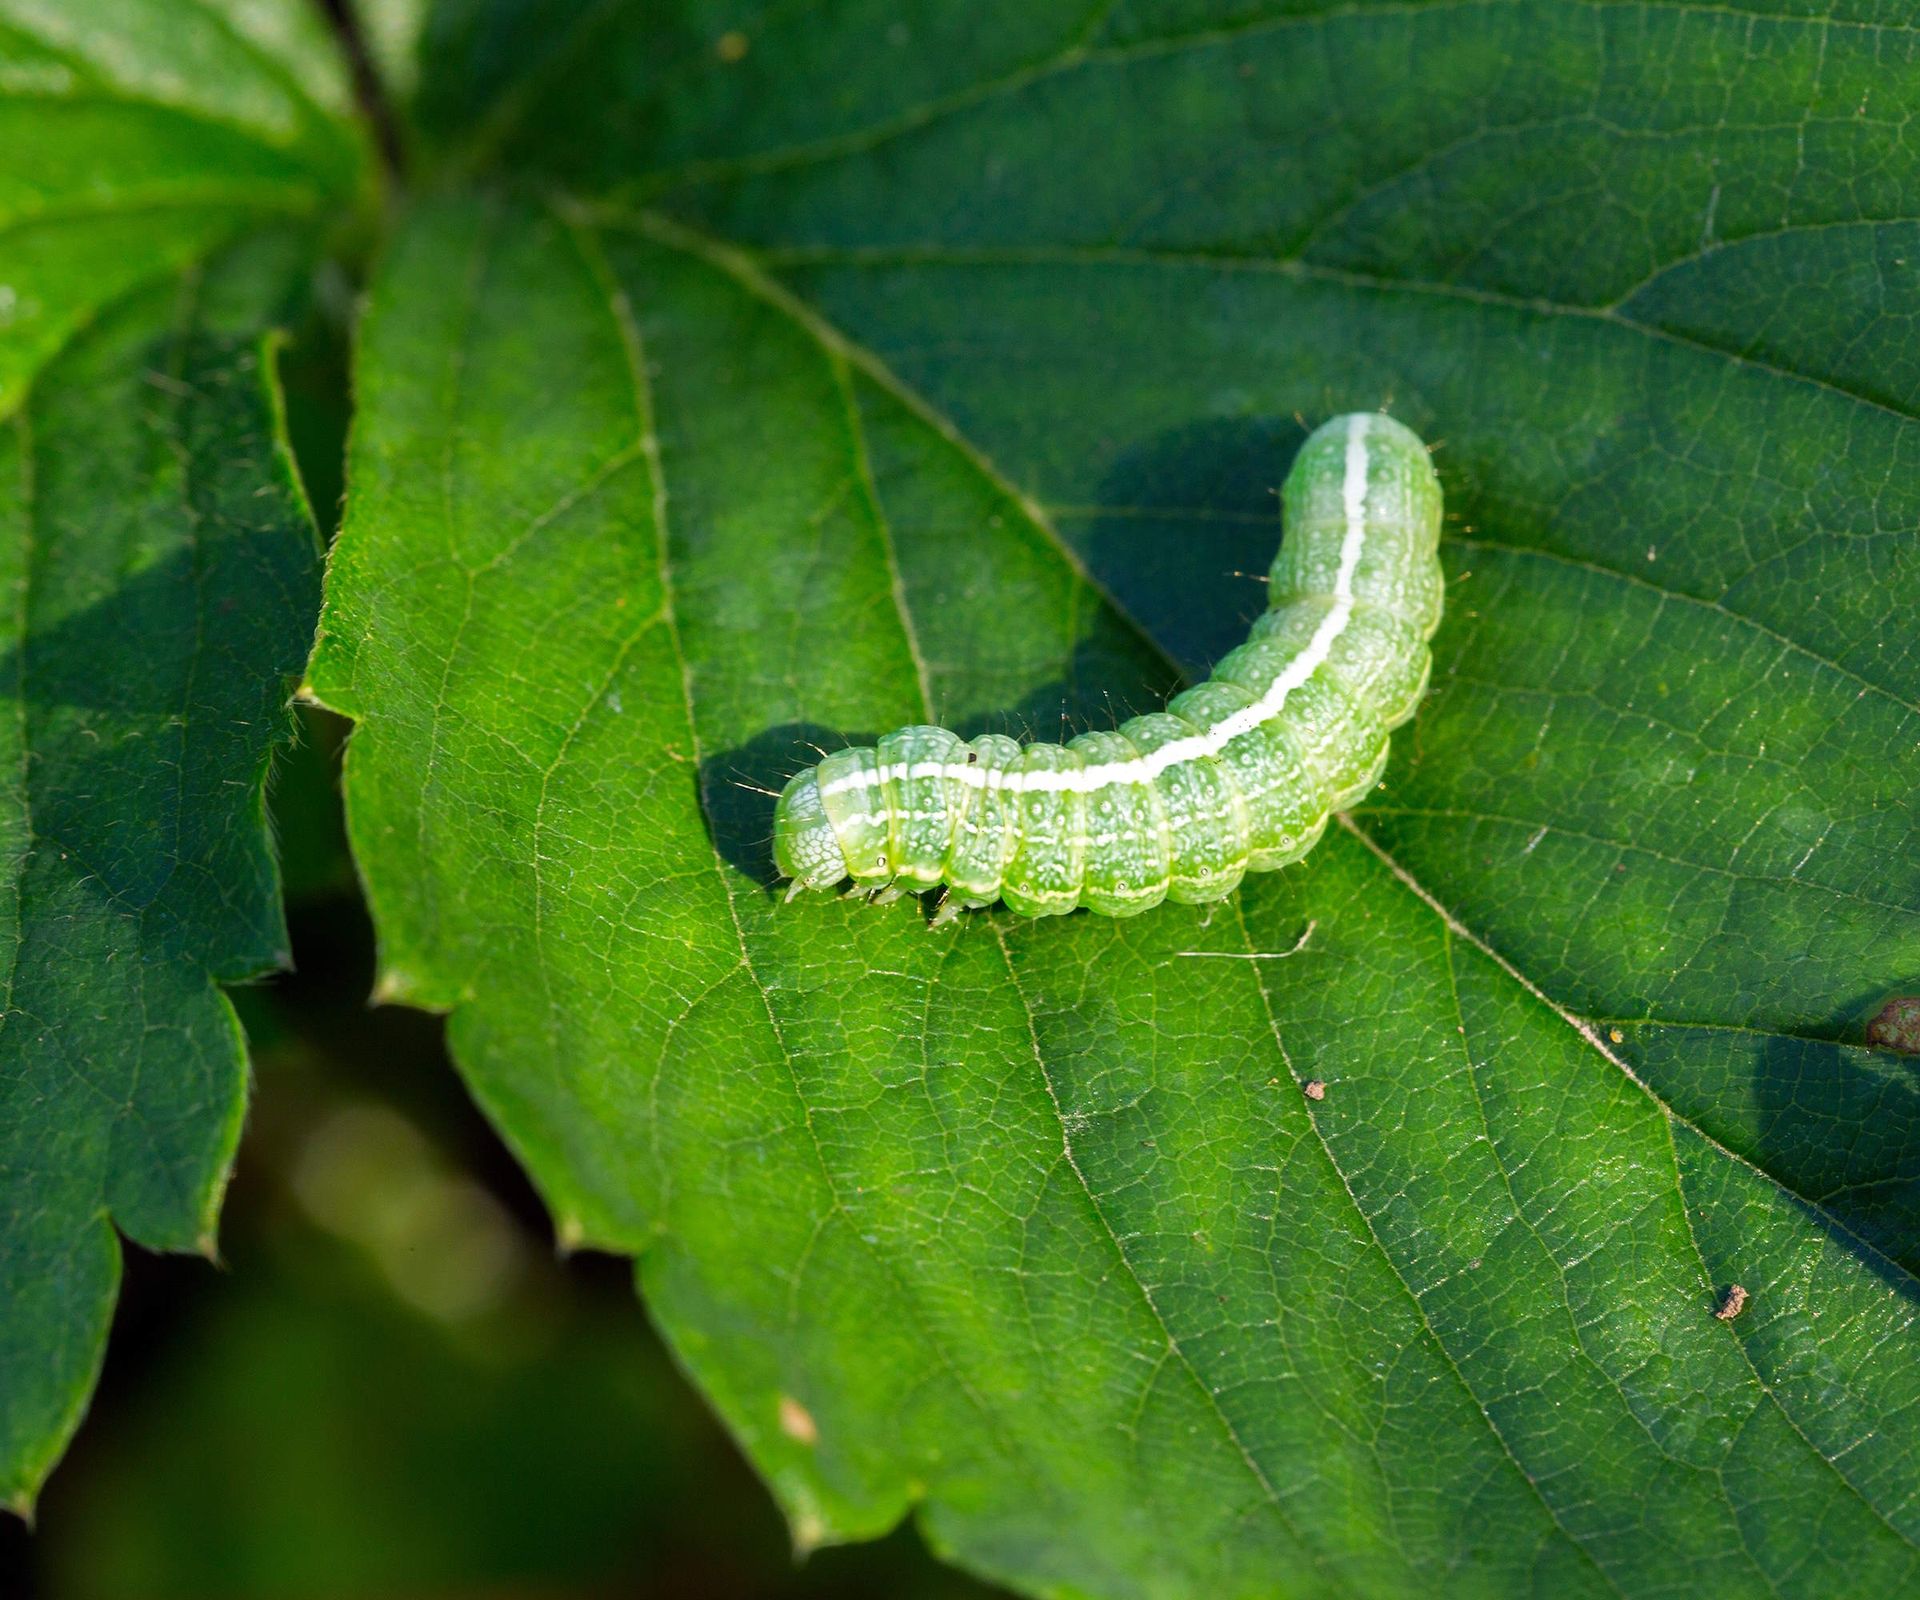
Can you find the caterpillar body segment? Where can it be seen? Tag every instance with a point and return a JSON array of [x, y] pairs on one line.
[[1239, 774]]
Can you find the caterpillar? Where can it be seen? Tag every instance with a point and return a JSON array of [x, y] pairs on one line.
[[1239, 774]]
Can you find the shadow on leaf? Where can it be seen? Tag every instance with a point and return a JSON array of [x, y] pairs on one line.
[[1186, 528], [1839, 1123]]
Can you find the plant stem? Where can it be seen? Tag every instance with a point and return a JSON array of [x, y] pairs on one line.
[[368, 86]]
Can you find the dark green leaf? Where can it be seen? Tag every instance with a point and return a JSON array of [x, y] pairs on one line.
[[166, 162], [161, 575], [821, 424]]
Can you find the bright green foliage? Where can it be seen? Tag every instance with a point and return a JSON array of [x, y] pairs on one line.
[[160, 576], [917, 342], [842, 366], [140, 133]]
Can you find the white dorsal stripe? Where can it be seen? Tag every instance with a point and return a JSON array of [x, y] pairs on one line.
[[1144, 769]]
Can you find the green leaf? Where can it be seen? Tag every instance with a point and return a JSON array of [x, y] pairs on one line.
[[139, 135], [908, 364], [167, 165], [162, 576]]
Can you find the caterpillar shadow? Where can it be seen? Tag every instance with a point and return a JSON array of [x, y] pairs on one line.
[[740, 787], [1185, 526]]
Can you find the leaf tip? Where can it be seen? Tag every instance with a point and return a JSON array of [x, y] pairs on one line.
[[20, 1504], [569, 1234]]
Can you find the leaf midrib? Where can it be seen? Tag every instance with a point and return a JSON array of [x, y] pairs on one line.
[[1627, 847], [1670, 1118], [833, 352], [1589, 1033]]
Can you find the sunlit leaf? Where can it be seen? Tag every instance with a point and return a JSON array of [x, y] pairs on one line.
[[875, 362]]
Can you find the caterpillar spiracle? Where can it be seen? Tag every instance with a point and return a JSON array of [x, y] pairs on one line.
[[1239, 774]]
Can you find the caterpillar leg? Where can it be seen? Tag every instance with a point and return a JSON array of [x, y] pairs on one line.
[[952, 906]]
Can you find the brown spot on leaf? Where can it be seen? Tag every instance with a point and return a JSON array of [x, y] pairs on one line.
[[1314, 1089], [797, 1423], [732, 46], [1897, 1025], [1732, 1303]]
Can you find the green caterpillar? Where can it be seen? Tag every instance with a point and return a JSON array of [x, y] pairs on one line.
[[1237, 775]]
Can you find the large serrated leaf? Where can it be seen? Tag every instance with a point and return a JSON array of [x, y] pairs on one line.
[[895, 393], [165, 162], [161, 574]]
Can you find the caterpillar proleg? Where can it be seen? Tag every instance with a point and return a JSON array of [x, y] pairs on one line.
[[1239, 774]]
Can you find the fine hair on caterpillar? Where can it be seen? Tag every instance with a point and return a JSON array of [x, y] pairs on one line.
[[1239, 774]]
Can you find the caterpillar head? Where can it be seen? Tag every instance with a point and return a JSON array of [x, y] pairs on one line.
[[804, 845]]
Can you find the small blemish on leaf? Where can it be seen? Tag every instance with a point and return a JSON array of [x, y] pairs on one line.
[[1732, 1303], [1616, 1036], [797, 1423], [391, 988], [732, 46], [1314, 1089], [1897, 1025], [809, 1532]]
